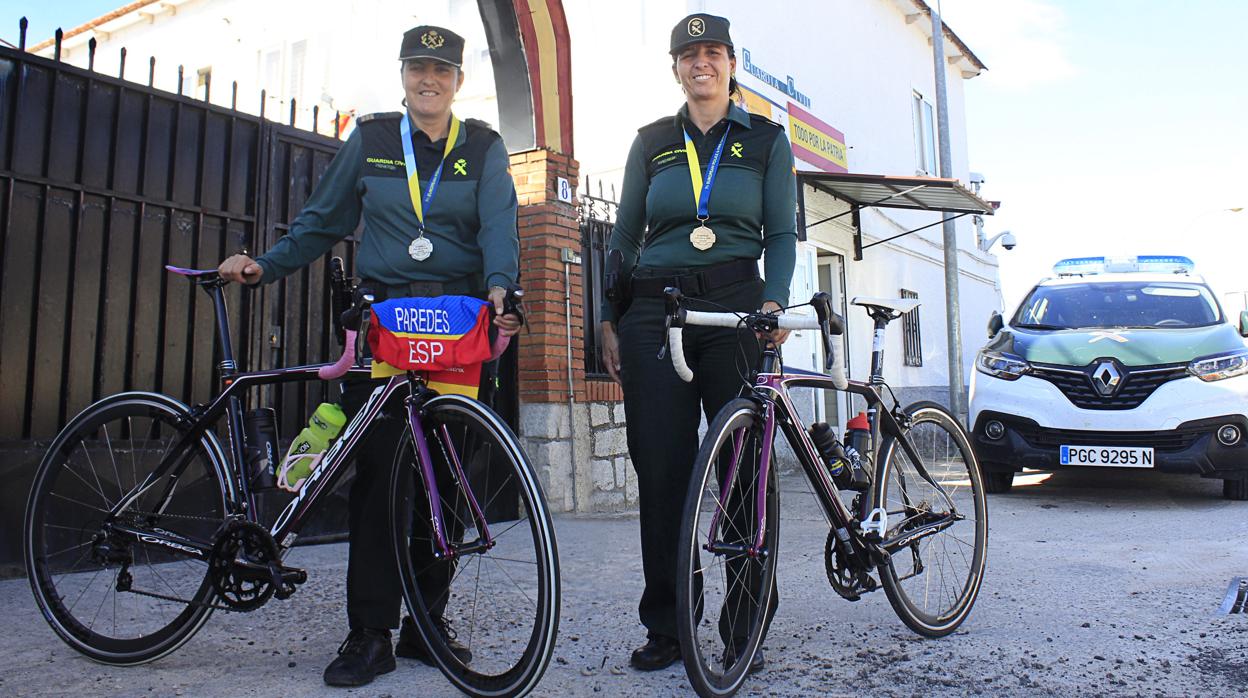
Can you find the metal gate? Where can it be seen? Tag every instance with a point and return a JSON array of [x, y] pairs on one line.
[[102, 182]]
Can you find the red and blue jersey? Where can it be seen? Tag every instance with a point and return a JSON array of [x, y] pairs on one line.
[[446, 337]]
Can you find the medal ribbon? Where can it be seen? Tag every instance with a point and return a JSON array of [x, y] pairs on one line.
[[702, 190], [413, 178]]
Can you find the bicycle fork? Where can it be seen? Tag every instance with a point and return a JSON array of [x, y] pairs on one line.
[[754, 549], [442, 547]]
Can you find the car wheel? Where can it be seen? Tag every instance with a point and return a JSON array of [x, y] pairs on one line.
[[998, 482], [1236, 490]]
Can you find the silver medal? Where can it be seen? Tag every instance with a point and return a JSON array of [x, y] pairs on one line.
[[420, 249]]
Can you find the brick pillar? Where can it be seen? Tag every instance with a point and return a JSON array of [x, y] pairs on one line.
[[547, 426]]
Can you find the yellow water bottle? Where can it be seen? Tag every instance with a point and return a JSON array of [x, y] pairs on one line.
[[307, 448]]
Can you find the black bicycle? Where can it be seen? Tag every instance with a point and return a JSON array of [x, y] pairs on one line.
[[140, 522], [909, 515]]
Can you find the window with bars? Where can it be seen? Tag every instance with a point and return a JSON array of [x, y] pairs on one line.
[[911, 335]]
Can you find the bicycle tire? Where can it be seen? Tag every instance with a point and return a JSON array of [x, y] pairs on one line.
[[933, 431], [520, 616], [61, 509], [717, 652]]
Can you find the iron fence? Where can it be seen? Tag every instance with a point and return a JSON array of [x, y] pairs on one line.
[[597, 217]]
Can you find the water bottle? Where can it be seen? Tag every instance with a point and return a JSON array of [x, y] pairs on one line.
[[858, 449], [307, 448], [833, 453], [260, 446]]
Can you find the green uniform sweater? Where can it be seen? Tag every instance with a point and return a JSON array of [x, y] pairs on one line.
[[752, 208], [471, 220]]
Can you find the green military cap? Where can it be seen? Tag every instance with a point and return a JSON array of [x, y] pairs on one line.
[[437, 43], [700, 27]]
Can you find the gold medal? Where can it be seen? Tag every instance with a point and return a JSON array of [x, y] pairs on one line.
[[702, 237], [420, 249]]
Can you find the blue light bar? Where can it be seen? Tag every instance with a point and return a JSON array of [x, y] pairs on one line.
[[1155, 263]]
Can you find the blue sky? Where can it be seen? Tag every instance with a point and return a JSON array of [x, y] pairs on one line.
[[1111, 127], [1104, 126]]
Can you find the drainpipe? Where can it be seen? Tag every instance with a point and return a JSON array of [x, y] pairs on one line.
[[570, 257], [953, 316]]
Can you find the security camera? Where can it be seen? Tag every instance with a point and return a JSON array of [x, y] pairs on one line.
[[1008, 241]]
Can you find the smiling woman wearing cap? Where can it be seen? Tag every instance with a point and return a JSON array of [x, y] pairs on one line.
[[705, 194], [452, 232]]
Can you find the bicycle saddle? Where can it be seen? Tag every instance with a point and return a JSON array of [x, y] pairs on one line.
[[193, 273], [900, 306]]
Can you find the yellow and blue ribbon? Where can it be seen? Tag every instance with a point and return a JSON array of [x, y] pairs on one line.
[[413, 177], [702, 190]]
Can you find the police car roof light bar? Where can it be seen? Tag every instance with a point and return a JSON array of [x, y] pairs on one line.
[[1157, 264]]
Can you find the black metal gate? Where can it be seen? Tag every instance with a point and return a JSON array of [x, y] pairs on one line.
[[102, 182]]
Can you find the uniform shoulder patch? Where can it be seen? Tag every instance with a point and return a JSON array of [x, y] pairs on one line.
[[664, 122], [376, 116], [760, 120]]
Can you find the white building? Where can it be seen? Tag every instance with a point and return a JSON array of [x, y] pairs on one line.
[[858, 74]]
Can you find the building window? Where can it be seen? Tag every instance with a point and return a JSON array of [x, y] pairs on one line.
[[298, 54], [911, 336], [924, 135]]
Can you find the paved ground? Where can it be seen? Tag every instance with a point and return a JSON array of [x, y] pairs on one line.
[[1097, 584]]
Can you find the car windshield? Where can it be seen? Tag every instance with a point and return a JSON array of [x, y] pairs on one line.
[[1118, 304]]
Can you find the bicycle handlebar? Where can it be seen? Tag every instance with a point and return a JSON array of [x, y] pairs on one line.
[[825, 320], [352, 319]]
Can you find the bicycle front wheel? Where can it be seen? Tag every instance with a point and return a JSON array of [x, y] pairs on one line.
[[725, 590], [499, 597], [116, 597], [932, 581]]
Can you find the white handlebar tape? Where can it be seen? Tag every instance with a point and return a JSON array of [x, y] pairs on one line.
[[676, 345], [785, 322]]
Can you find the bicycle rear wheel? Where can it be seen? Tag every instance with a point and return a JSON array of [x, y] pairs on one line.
[[78, 566], [724, 595], [501, 601], [932, 582]]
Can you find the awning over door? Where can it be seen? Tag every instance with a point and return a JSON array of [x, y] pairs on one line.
[[885, 191]]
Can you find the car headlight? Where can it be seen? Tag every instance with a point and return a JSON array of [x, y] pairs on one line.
[[1216, 368], [1004, 366]]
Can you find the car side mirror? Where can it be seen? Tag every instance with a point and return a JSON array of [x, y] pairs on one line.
[[995, 323], [1243, 323]]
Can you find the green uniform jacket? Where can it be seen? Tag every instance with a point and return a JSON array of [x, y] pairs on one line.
[[752, 208], [471, 220]]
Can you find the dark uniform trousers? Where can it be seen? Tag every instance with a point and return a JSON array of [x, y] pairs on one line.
[[662, 421], [374, 590]]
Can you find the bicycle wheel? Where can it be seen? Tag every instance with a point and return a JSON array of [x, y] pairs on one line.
[[932, 582], [90, 582], [501, 601], [724, 595]]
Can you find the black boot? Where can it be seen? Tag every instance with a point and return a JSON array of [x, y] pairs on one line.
[[659, 652], [411, 646], [365, 654], [756, 664]]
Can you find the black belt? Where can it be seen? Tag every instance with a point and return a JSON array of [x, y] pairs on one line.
[[697, 282], [466, 286]]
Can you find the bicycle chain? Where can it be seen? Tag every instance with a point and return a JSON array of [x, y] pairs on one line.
[[166, 597]]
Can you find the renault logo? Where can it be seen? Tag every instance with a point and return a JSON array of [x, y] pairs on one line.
[[1106, 378]]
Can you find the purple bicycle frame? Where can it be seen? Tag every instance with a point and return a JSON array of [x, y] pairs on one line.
[[443, 548]]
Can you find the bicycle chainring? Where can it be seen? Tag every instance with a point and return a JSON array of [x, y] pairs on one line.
[[845, 575], [239, 565]]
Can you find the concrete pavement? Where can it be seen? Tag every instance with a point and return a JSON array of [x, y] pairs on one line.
[[1097, 584]]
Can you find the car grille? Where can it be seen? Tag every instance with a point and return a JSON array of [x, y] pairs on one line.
[[1168, 440], [1138, 383]]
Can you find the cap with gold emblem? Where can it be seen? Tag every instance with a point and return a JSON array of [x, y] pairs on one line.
[[433, 42], [700, 27]]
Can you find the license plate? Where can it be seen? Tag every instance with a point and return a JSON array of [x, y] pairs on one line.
[[1114, 456]]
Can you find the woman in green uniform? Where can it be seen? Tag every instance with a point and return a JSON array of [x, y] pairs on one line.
[[453, 234], [712, 189]]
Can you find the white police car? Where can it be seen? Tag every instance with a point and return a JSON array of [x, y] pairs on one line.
[[1127, 363]]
